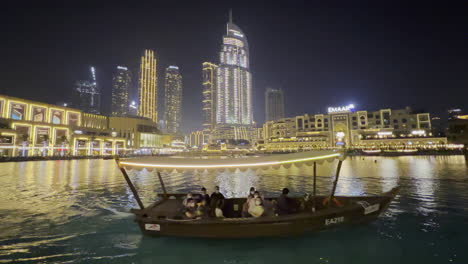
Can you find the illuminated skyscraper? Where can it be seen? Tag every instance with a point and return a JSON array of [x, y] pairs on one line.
[[274, 104], [234, 81], [121, 83], [173, 99], [209, 95], [148, 90], [88, 95]]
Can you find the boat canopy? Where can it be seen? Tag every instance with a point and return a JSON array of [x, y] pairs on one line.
[[230, 163]]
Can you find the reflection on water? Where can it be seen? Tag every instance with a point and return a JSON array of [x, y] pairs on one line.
[[77, 211]]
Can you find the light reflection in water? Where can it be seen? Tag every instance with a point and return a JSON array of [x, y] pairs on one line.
[[421, 172]]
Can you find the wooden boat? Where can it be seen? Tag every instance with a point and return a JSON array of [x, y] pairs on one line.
[[312, 213], [371, 151]]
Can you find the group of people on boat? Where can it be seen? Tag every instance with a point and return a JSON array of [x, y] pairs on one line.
[[201, 205]]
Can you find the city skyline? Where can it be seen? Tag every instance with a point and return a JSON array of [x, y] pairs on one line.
[[324, 55]]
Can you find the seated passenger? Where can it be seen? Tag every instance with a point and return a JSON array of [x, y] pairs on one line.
[[189, 197], [201, 210], [215, 197], [245, 206], [256, 208], [283, 204], [191, 209]]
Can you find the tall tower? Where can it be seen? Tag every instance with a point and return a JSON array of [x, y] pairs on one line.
[[209, 95], [173, 99], [234, 81], [121, 83], [88, 95], [274, 104], [148, 90]]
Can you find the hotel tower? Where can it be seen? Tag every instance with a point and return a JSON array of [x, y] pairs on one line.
[[148, 90], [234, 81]]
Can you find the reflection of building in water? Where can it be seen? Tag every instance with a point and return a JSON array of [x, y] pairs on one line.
[[389, 170], [30, 128], [344, 127], [421, 171]]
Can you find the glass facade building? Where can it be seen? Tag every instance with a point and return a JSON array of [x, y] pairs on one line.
[[173, 99], [148, 90], [209, 94], [234, 81], [274, 104], [121, 83]]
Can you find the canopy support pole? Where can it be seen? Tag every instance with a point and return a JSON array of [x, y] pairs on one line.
[[130, 184], [315, 187], [162, 184], [332, 194]]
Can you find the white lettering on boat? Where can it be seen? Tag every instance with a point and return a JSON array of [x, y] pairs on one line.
[[335, 220], [153, 227]]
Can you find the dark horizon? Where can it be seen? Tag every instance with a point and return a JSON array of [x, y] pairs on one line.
[[390, 56]]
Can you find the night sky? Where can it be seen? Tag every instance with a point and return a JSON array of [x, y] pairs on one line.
[[321, 54]]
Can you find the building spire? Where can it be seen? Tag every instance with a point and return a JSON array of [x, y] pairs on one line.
[[230, 15]]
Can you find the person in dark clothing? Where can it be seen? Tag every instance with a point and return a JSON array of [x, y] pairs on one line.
[[205, 196], [283, 205], [215, 197]]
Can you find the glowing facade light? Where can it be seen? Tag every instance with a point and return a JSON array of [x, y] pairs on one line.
[[209, 92], [418, 132], [385, 133], [148, 90]]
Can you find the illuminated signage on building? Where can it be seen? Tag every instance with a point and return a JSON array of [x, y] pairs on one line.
[[418, 132], [341, 109]]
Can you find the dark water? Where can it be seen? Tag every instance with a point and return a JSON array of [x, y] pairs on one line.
[[77, 212]]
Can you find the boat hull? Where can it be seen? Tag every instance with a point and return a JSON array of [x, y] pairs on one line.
[[277, 226]]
